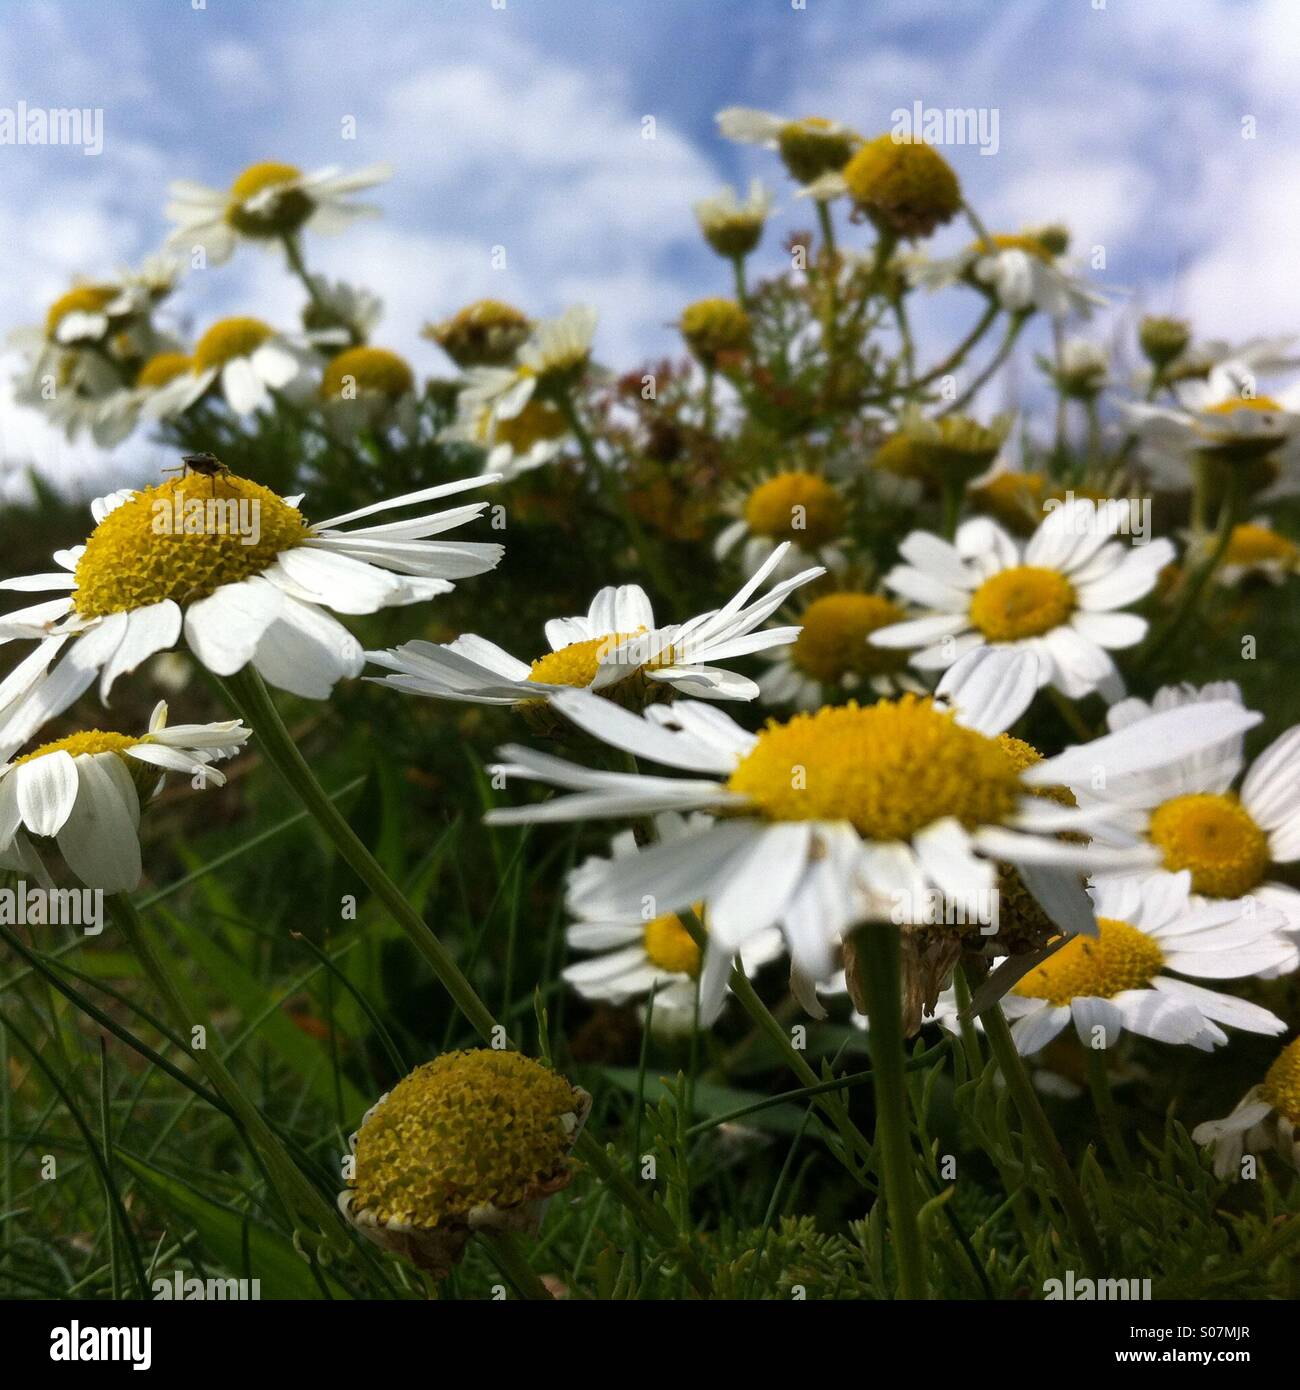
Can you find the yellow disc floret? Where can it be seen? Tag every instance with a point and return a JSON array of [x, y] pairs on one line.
[[671, 947], [1121, 957], [1026, 601], [537, 423], [1281, 1086], [715, 326], [227, 339], [163, 367], [833, 642], [280, 212], [890, 769], [367, 371], [84, 299], [1214, 836], [469, 1129], [1015, 241], [486, 333], [177, 541], [89, 741], [814, 146], [796, 506], [577, 663], [905, 185], [1252, 544]]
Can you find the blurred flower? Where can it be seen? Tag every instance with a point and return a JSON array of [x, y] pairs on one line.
[[1081, 371], [252, 582], [731, 227], [518, 437], [1255, 551], [85, 792], [1056, 596], [795, 506], [1267, 1117], [486, 333], [905, 186], [714, 328], [370, 387], [809, 147], [266, 203], [336, 305]]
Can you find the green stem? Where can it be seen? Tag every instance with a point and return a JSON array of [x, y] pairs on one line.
[[509, 1259], [300, 1197], [293, 253], [1042, 1138], [953, 492], [1099, 1085], [880, 975], [1013, 332], [970, 1038], [742, 292], [831, 261], [709, 374]]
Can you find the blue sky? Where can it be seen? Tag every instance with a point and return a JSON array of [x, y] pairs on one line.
[[521, 127]]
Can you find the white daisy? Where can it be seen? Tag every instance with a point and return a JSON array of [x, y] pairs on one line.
[[731, 227], [125, 593], [85, 792], [1255, 551], [791, 505], [1230, 841], [266, 202], [1022, 273], [1266, 1117], [1056, 595], [810, 147], [1147, 927], [850, 814], [337, 304], [616, 642], [517, 436], [647, 950]]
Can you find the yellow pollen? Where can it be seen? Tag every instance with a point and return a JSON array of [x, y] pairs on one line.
[[160, 546], [367, 371], [537, 422], [1214, 836], [85, 299], [1026, 601], [833, 641], [890, 769], [466, 1130], [163, 367], [88, 741], [228, 339], [1252, 545], [1120, 958], [796, 506], [812, 146], [578, 663], [285, 213], [1281, 1086], [671, 947]]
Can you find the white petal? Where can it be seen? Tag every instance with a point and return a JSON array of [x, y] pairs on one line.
[[47, 789], [98, 841], [223, 630]]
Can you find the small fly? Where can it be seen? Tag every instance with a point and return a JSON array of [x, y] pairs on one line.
[[205, 465]]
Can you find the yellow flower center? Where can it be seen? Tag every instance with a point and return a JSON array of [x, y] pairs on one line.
[[813, 146], [1243, 403], [1281, 1086], [282, 214], [1015, 241], [890, 769], [833, 641], [88, 741], [1252, 545], [578, 663], [906, 185], [1022, 602], [796, 506], [1214, 836], [1121, 957], [537, 422], [367, 371], [671, 947], [486, 333], [465, 1130], [182, 540], [228, 339], [713, 326], [85, 299], [1014, 498], [163, 367]]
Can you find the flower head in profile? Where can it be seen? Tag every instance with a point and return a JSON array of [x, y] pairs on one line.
[[487, 333], [266, 203], [810, 146], [715, 329], [85, 792], [630, 956], [1057, 595], [616, 650], [794, 506], [904, 185], [1255, 550], [245, 573], [337, 307], [474, 1140], [1130, 976], [848, 815], [733, 228], [1266, 1118], [369, 388], [517, 432]]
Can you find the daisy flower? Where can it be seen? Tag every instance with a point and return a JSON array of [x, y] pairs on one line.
[[266, 202], [85, 792], [1057, 595], [516, 437], [1230, 841], [1022, 272], [793, 506], [731, 227], [1266, 1117], [831, 654], [487, 333], [614, 650], [370, 388], [1146, 927], [335, 305], [125, 593], [832, 819], [809, 147], [1256, 551], [635, 953]]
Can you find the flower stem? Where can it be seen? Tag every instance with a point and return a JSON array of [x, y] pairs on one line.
[[880, 975], [1042, 1137], [742, 293], [509, 1259], [1099, 1085], [300, 1197]]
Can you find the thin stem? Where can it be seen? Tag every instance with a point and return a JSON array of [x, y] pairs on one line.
[[1014, 328], [881, 982], [1043, 1139], [509, 1259], [831, 260], [1099, 1085], [709, 375], [738, 270], [299, 1196], [970, 1039], [293, 253]]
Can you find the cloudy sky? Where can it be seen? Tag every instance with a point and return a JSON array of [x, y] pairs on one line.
[[1164, 131]]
